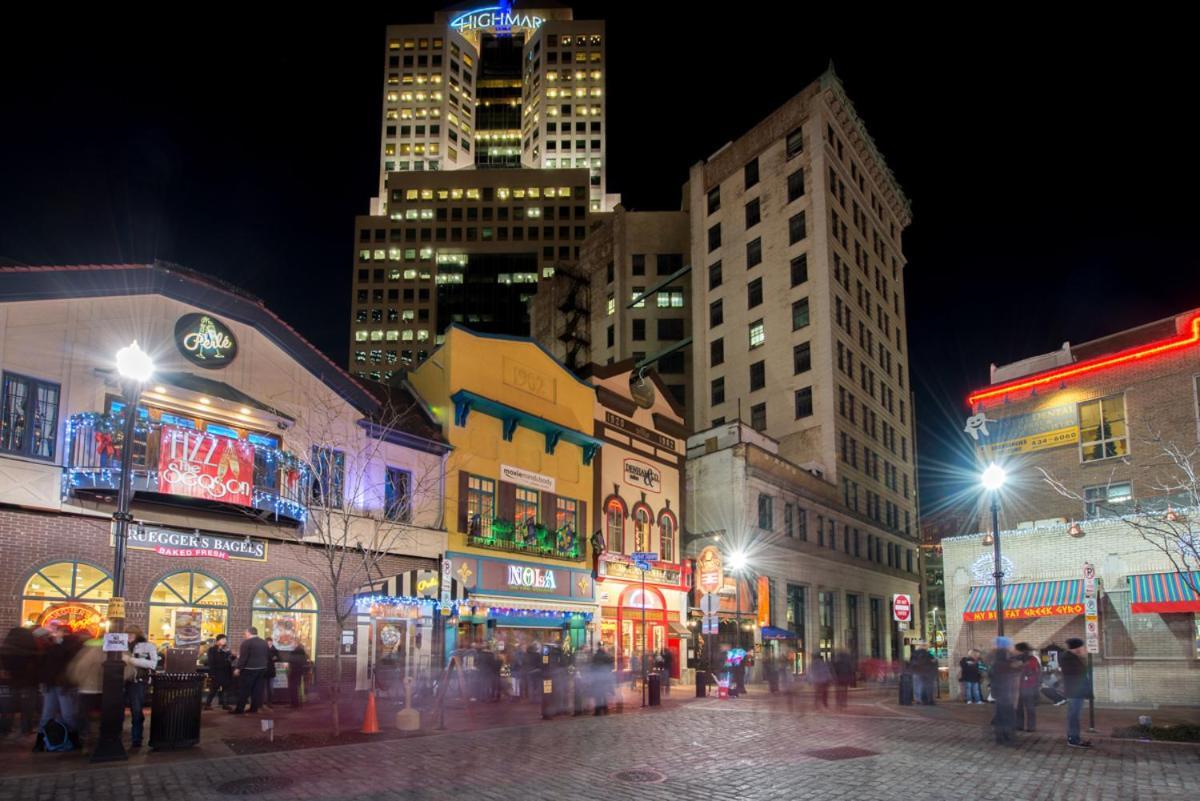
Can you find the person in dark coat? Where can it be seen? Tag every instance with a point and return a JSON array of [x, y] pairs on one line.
[[1028, 688], [843, 677], [602, 680], [19, 665], [1077, 686], [58, 692], [268, 685], [1005, 671], [254, 656], [668, 662], [219, 661], [297, 668]]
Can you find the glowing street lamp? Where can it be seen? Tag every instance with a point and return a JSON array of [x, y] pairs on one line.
[[993, 478], [136, 368], [737, 563]]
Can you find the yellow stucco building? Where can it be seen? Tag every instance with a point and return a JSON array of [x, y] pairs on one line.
[[517, 488]]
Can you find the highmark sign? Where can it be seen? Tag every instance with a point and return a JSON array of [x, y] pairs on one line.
[[495, 18]]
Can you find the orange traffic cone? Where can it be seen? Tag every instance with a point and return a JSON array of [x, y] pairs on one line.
[[370, 721]]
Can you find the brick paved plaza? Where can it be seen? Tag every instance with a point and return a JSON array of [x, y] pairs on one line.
[[745, 748]]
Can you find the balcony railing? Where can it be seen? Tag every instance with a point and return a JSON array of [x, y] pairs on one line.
[[93, 460], [531, 539]]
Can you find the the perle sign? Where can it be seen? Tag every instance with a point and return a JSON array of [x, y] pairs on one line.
[[495, 18], [205, 341]]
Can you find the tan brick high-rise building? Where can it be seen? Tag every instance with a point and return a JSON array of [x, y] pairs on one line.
[[798, 299]]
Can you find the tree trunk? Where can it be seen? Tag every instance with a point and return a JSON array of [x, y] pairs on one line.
[[335, 694]]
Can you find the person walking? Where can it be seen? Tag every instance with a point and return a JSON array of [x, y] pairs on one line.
[[20, 661], [970, 675], [843, 677], [140, 662], [252, 661], [1028, 688], [220, 673], [668, 664], [58, 693], [86, 674], [1005, 673], [268, 684], [1077, 686], [602, 677], [297, 668], [820, 676]]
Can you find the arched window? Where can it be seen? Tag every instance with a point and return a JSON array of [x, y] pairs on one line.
[[641, 527], [614, 516], [73, 595], [666, 537], [286, 611], [188, 608]]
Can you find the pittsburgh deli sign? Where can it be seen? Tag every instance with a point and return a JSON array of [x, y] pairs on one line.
[[196, 544], [205, 341]]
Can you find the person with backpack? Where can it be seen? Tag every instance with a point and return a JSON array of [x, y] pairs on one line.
[[86, 673], [140, 662], [59, 713]]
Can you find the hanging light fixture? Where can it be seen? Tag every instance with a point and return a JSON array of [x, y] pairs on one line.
[[988, 540], [1172, 515], [1075, 530]]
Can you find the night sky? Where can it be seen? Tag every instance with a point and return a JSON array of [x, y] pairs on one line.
[[1049, 162]]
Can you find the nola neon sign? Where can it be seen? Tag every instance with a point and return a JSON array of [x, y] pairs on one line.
[[534, 578], [495, 18]]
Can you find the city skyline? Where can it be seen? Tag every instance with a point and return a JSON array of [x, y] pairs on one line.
[[263, 199]]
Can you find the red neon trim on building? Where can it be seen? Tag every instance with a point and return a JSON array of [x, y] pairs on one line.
[[1092, 365]]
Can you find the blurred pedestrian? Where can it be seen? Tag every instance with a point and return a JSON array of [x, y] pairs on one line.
[[820, 676], [843, 676], [1077, 686], [140, 663], [253, 657], [1028, 687], [601, 680], [220, 672], [268, 685], [19, 666], [968, 673], [58, 692], [297, 667], [86, 673], [1006, 673]]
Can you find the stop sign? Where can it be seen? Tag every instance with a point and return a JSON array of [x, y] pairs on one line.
[[902, 608]]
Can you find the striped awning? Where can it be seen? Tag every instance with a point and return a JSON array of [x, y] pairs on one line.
[[1163, 592], [1026, 601], [414, 584]]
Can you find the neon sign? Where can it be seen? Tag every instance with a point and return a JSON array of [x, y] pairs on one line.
[[495, 18], [536, 578], [205, 341], [1092, 365]]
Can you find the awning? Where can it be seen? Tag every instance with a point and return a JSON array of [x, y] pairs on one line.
[[1026, 601], [772, 633], [1163, 592], [675, 627], [413, 584], [502, 602]]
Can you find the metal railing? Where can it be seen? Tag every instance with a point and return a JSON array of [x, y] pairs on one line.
[[521, 537]]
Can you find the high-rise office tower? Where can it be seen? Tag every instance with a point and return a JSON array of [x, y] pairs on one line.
[[798, 299], [492, 154]]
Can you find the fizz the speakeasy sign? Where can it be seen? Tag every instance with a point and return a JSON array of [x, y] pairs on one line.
[[201, 465], [190, 544], [205, 341]]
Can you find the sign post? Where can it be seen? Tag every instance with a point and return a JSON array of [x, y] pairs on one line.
[[1091, 622], [643, 559]]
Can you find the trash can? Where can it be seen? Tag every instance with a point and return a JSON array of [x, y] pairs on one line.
[[906, 689], [175, 710], [654, 688]]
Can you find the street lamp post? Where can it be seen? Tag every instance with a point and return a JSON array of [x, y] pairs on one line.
[[135, 368], [737, 563], [993, 479]]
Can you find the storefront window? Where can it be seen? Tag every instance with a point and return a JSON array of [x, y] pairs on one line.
[[796, 612], [286, 611], [876, 628], [666, 539], [527, 505], [565, 514], [73, 595], [615, 535], [186, 609]]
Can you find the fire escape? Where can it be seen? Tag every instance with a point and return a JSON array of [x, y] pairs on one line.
[[575, 316]]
